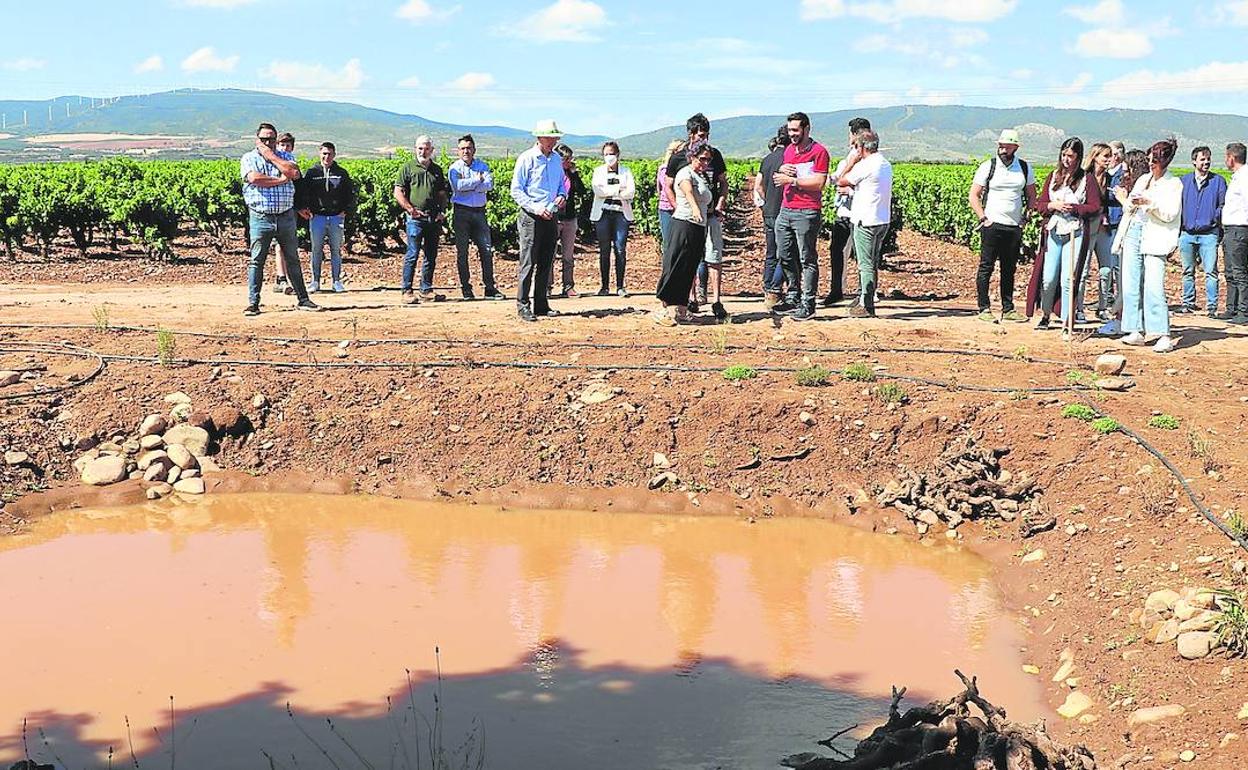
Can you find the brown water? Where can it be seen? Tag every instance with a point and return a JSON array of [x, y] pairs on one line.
[[569, 638]]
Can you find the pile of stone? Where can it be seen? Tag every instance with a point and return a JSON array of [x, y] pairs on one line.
[[169, 453], [967, 482], [1185, 618]]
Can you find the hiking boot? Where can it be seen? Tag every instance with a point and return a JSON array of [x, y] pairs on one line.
[[986, 315], [468, 294], [251, 310], [1043, 323], [604, 292], [692, 307], [1013, 316], [409, 297], [309, 305], [430, 296], [525, 313]]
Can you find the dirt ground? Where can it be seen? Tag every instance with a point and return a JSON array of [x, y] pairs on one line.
[[459, 398]]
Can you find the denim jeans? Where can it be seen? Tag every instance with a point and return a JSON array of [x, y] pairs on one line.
[[1061, 252], [797, 236], [665, 227], [322, 225], [1202, 246], [1106, 269], [868, 246], [1143, 287], [422, 234], [612, 230], [471, 227], [773, 276], [264, 229]]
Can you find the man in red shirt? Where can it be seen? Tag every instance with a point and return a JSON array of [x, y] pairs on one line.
[[802, 177]]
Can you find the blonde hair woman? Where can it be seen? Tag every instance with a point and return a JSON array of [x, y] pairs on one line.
[[666, 206]]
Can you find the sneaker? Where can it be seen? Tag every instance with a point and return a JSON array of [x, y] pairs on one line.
[[832, 299], [1080, 318], [783, 307], [495, 294], [409, 297], [1134, 338], [604, 292], [251, 310], [1184, 310], [986, 315], [525, 314], [549, 312], [662, 317], [1163, 344], [338, 287], [430, 296], [309, 305], [1013, 316], [621, 292], [858, 311], [1239, 319], [1213, 314], [702, 295], [717, 310], [692, 307], [469, 295], [314, 287], [280, 286], [1043, 323], [1228, 315], [803, 314], [571, 293], [770, 300]]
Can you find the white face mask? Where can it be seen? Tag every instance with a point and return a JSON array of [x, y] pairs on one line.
[[611, 160]]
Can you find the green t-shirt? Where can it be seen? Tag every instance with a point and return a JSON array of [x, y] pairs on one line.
[[421, 184]]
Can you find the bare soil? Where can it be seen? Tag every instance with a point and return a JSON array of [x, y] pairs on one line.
[[459, 398]]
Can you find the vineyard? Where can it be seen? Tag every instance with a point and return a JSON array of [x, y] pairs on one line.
[[151, 203]]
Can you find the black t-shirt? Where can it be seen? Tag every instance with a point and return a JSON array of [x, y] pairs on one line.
[[773, 196], [679, 161]]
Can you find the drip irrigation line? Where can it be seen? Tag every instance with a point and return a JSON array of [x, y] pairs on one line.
[[561, 343], [64, 349]]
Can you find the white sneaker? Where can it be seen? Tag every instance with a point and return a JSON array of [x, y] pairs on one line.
[[338, 287], [1164, 344], [1134, 338], [314, 287]]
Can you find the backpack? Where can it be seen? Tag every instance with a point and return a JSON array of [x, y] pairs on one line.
[[992, 169]]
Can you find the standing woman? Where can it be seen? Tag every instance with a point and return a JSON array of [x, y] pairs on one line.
[[666, 204], [612, 212], [568, 218], [1066, 200], [1096, 168], [1148, 234], [686, 242]]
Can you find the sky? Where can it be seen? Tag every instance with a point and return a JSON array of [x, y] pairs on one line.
[[615, 68]]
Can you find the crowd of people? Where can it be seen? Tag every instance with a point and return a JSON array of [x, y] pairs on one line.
[[1123, 207]]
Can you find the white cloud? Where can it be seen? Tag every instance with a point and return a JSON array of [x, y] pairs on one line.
[[227, 4], [1107, 13], [411, 82], [471, 81], [897, 10], [567, 21], [417, 11], [1081, 81], [1214, 77], [937, 50], [1234, 12], [24, 64], [1114, 44], [968, 37], [314, 77], [150, 64], [206, 60], [913, 95]]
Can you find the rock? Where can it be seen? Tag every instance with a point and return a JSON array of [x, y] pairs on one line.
[[667, 477], [806, 418], [109, 447], [1118, 384], [181, 456], [1066, 669], [134, 475], [86, 442], [596, 393], [1183, 610], [340, 353], [131, 447], [150, 442], [1076, 703], [85, 458], [1163, 633], [180, 412], [146, 460], [259, 401], [14, 458], [1158, 601], [177, 397], [173, 475], [1202, 621], [229, 421], [153, 424], [1110, 364], [1187, 756], [1155, 714], [189, 473], [152, 493], [1243, 712], [206, 465], [195, 439], [660, 461], [157, 471], [104, 470], [192, 486], [1034, 556], [201, 419], [8, 378], [1030, 669], [163, 488], [1195, 645]]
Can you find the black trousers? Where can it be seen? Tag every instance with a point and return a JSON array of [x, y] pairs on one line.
[[1235, 259], [537, 254], [842, 239], [998, 243], [682, 252]]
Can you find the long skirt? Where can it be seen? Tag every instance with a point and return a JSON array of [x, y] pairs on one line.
[[684, 249]]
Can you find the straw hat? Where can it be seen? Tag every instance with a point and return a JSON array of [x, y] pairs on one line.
[[1008, 136], [547, 128]]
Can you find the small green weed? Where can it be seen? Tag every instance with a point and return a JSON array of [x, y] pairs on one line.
[[1021, 353], [1105, 425], [1231, 626], [858, 372], [1080, 377], [1202, 449], [892, 393], [1163, 421], [719, 341], [100, 314], [166, 346], [738, 372], [1079, 412], [813, 376], [1237, 524]]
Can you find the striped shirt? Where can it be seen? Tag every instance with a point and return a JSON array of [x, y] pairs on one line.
[[266, 200]]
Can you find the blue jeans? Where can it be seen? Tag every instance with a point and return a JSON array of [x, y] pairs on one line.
[[264, 229], [471, 227], [1204, 246], [797, 236], [1106, 268], [421, 234], [612, 230], [1143, 287], [321, 225], [1060, 254], [665, 227]]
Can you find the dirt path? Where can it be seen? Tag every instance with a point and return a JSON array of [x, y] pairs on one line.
[[459, 398]]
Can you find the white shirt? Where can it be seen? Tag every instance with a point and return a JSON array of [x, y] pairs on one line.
[[1065, 224], [872, 178], [1235, 210], [844, 199], [1006, 189]]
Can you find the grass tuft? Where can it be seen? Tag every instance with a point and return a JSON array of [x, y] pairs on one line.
[[739, 372], [166, 346], [813, 376], [859, 372], [1163, 421], [1105, 425], [1231, 626], [892, 393], [1079, 412]]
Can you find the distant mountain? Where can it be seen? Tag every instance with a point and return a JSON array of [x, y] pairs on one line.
[[922, 132], [221, 122]]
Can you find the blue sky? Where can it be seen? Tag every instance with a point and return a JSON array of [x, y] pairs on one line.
[[620, 67]]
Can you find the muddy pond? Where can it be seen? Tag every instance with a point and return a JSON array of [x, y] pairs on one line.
[[179, 633]]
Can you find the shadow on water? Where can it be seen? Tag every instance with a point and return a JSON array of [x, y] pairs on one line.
[[546, 711]]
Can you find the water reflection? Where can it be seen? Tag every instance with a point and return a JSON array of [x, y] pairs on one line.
[[571, 633]]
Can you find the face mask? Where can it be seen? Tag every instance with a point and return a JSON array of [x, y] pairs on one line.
[[611, 160]]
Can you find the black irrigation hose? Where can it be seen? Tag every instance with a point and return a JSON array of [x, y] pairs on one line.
[[65, 349]]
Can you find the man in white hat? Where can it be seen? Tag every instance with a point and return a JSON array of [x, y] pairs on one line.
[[1002, 193], [537, 188]]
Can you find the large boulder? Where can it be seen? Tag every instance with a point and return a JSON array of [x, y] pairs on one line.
[[195, 439], [181, 456], [104, 470]]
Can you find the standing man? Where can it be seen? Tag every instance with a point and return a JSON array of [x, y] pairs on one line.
[[1204, 194], [802, 177], [768, 198], [537, 188], [698, 127], [842, 228], [1002, 193], [269, 191], [327, 195], [870, 176], [471, 180], [1235, 238], [421, 192], [286, 144]]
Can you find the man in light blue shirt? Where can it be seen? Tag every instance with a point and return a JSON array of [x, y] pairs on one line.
[[537, 187], [470, 180]]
